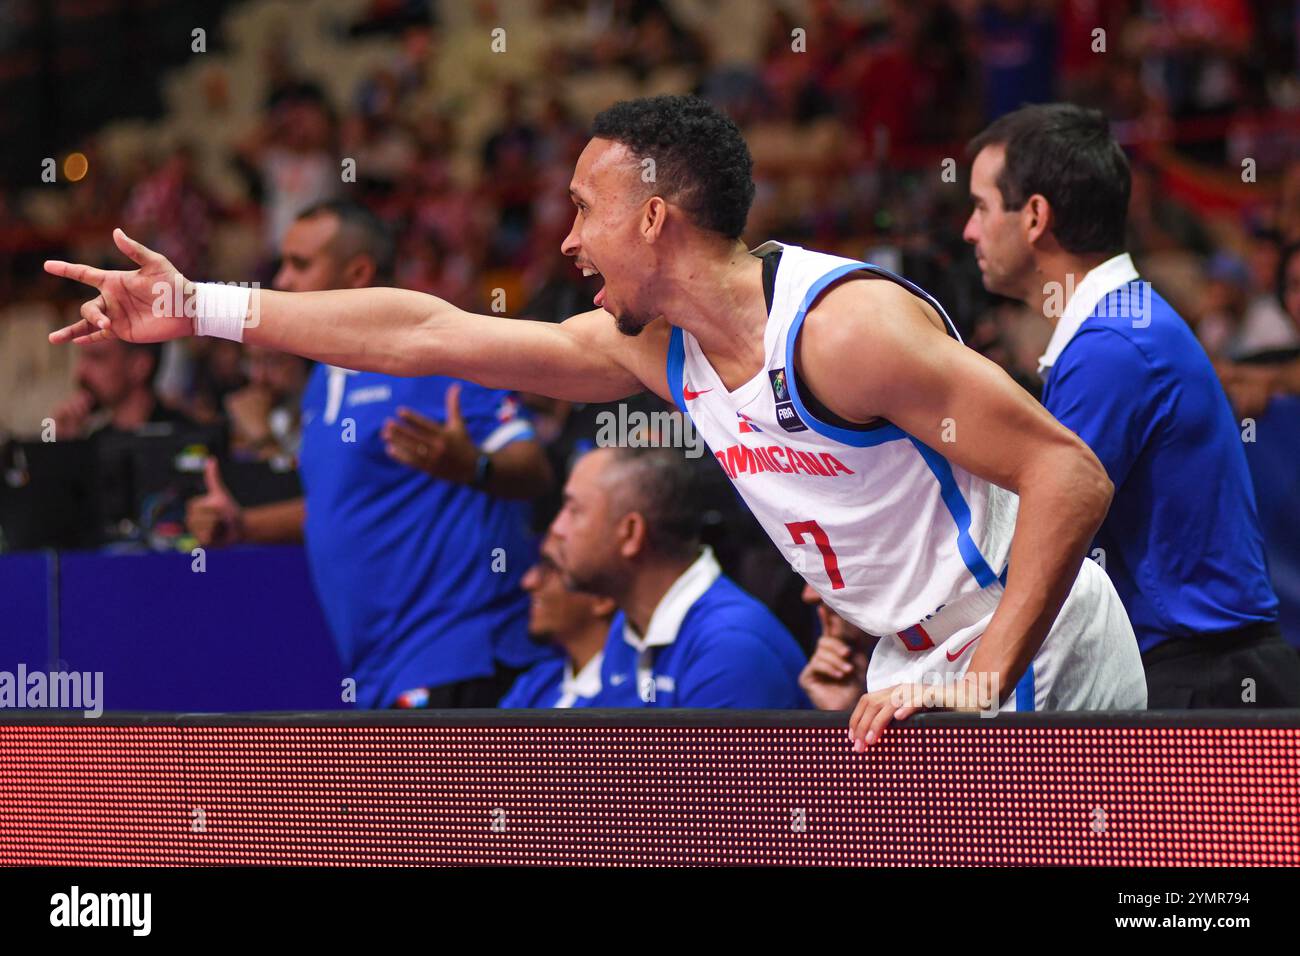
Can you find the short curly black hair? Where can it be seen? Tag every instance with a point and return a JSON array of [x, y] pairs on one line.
[[701, 161]]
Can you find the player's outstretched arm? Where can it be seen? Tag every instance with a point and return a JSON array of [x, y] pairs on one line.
[[870, 349], [394, 331]]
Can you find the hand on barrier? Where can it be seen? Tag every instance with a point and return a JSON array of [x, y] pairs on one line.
[[970, 693]]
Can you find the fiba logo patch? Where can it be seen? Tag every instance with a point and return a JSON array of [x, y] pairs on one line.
[[786, 416]]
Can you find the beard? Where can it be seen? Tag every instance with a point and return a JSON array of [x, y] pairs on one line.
[[592, 582], [541, 638], [629, 325]]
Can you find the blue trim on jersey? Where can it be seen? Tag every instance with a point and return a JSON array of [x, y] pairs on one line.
[[676, 368], [1002, 578], [845, 436], [1025, 690], [939, 465], [960, 511]]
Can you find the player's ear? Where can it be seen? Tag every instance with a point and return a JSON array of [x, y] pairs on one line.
[[653, 215]]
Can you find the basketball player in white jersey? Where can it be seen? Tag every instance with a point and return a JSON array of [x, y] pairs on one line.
[[925, 496]]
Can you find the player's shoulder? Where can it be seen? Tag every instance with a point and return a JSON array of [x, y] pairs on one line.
[[859, 308]]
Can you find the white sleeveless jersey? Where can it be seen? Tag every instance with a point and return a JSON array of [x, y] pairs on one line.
[[894, 537], [884, 527]]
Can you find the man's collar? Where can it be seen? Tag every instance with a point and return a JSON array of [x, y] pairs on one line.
[[1100, 282], [586, 683], [672, 607]]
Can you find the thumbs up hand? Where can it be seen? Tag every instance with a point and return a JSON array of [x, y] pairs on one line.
[[215, 517], [442, 450]]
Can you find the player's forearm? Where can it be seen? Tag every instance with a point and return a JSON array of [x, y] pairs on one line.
[[393, 331], [277, 523], [1064, 497], [398, 332]]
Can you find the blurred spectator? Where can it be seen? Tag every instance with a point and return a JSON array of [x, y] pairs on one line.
[[685, 634], [1265, 325], [1017, 44], [578, 625], [1227, 284], [264, 415], [510, 175], [216, 371], [1252, 386], [170, 212], [291, 153], [114, 392]]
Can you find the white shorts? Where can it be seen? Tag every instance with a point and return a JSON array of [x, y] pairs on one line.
[[1089, 660]]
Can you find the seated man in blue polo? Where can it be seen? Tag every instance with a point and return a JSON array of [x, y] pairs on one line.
[[685, 634], [575, 623], [1182, 542]]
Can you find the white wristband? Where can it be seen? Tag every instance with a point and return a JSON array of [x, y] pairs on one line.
[[220, 309]]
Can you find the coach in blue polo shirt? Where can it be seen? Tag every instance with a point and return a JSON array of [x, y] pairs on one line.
[[685, 634], [1182, 541], [414, 515]]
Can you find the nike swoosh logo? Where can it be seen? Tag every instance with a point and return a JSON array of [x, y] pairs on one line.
[[964, 648], [688, 394]]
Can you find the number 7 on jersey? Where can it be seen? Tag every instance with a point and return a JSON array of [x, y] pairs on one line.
[[797, 531]]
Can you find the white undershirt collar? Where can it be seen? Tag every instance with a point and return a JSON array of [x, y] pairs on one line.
[[676, 602], [585, 684], [1100, 282]]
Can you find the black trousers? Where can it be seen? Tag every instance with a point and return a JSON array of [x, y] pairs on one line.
[[1212, 670], [475, 692]]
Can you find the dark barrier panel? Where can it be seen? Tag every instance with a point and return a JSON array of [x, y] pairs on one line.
[[245, 634], [643, 787], [25, 610]]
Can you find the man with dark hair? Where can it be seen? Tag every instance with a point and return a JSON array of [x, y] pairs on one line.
[[1124, 372], [358, 241], [923, 494], [685, 634], [407, 486]]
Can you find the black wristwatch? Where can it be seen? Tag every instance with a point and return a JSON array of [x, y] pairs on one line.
[[482, 471]]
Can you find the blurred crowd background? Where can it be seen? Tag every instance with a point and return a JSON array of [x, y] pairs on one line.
[[463, 142]]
